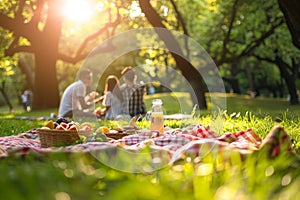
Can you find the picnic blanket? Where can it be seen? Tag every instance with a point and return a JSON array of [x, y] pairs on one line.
[[175, 144]]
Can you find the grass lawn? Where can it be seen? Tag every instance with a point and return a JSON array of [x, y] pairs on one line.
[[80, 176], [260, 106]]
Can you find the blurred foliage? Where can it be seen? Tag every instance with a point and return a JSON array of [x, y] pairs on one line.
[[213, 176], [207, 23], [224, 175]]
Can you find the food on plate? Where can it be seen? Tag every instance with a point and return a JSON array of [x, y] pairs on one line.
[[100, 137], [113, 131], [85, 126], [120, 130], [132, 123], [103, 129]]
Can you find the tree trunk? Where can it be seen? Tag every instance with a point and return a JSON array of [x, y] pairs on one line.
[[194, 78], [188, 71], [4, 94], [281, 88], [290, 9], [249, 77], [46, 49], [26, 69], [234, 84], [289, 80], [45, 95]]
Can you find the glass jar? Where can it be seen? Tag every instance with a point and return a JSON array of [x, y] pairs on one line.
[[157, 116]]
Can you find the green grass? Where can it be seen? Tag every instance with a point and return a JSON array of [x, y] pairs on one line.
[[261, 106], [181, 103], [227, 176]]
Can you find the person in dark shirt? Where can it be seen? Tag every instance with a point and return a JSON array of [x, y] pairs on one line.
[[133, 94]]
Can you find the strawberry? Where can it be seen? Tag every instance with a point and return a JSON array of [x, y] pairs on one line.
[[64, 125], [60, 127], [73, 128]]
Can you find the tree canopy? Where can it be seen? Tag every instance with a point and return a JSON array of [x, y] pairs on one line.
[[245, 39]]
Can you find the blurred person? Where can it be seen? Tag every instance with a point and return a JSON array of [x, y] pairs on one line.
[[133, 94], [112, 98], [27, 100], [74, 99], [151, 89]]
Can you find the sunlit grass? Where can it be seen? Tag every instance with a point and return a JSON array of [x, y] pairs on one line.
[[180, 102], [214, 176], [175, 102]]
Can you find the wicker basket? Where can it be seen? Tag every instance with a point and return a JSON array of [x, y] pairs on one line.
[[57, 138]]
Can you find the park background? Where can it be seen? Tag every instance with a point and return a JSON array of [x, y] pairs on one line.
[[254, 44]]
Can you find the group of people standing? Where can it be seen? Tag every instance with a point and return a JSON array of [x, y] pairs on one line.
[[126, 100]]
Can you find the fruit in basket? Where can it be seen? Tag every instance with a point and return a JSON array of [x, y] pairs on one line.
[[49, 124], [60, 127], [61, 119], [73, 128], [71, 125], [45, 127], [64, 125]]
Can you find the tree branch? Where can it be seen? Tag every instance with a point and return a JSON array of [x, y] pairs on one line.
[[12, 50], [8, 23], [156, 21], [99, 32], [227, 37], [269, 60], [77, 58], [37, 13], [183, 25], [264, 36], [18, 14], [17, 24], [80, 54], [70, 59], [252, 45]]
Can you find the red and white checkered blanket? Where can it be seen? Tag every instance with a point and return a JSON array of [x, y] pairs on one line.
[[193, 141]]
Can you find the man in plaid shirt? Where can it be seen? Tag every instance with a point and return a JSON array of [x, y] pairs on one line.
[[133, 94]]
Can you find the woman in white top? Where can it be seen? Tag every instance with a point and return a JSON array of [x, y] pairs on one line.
[[112, 98]]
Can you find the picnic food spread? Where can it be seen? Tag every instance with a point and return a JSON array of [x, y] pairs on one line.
[[172, 145], [62, 133], [63, 124]]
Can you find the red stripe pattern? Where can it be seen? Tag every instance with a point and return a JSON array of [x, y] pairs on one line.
[[196, 140]]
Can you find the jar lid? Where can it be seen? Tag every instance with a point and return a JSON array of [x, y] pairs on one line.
[[157, 101]]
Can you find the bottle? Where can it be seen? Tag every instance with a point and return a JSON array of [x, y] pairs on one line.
[[157, 116]]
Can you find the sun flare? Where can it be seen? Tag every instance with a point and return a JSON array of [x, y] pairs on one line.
[[78, 10]]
